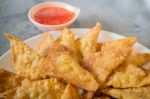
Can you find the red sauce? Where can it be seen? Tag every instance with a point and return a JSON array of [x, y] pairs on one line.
[[53, 15]]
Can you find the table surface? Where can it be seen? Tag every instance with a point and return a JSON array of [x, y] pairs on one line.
[[125, 17]]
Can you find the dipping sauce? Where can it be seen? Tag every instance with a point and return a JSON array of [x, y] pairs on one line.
[[53, 15]]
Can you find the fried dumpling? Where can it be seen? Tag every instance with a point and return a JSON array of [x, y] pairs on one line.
[[88, 42], [45, 42], [129, 76], [112, 54], [67, 39], [25, 60]]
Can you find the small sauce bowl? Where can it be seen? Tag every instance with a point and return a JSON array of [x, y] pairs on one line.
[[46, 27]]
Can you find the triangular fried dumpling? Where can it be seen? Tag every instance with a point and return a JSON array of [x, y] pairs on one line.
[[67, 39], [112, 54], [45, 42], [129, 76], [67, 68], [25, 60], [131, 93], [71, 92], [89, 40], [8, 80]]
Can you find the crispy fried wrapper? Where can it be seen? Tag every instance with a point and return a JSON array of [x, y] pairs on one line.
[[25, 60], [138, 59], [112, 54], [67, 68], [67, 39], [71, 92], [128, 76], [131, 93], [8, 80], [45, 42], [88, 42], [43, 89], [88, 94]]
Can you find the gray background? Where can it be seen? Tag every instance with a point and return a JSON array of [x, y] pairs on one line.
[[125, 17]]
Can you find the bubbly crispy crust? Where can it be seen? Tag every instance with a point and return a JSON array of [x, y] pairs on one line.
[[45, 42], [89, 40], [131, 93], [25, 60], [8, 80], [128, 76], [50, 88], [71, 92], [112, 54], [43, 89]]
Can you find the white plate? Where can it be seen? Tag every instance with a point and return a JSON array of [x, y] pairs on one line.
[[6, 61]]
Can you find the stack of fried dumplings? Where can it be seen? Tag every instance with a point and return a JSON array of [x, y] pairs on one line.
[[76, 68]]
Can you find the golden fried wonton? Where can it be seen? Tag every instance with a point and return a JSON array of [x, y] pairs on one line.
[[88, 42], [67, 39], [128, 76], [45, 42], [112, 54], [25, 60]]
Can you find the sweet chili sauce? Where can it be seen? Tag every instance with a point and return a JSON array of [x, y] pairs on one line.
[[53, 15]]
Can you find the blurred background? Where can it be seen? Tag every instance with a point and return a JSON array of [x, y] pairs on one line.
[[125, 17]]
